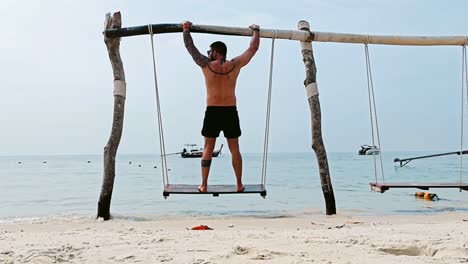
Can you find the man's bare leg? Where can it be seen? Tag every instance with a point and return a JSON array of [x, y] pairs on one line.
[[233, 144], [206, 162]]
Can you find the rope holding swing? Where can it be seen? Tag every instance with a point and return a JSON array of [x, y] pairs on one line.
[[463, 87], [160, 123], [268, 112], [158, 108], [373, 111], [372, 107]]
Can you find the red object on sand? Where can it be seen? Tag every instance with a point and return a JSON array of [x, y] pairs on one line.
[[202, 227]]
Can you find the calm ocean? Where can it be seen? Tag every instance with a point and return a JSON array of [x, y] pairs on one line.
[[56, 186]]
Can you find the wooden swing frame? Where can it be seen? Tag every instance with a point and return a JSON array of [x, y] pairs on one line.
[[113, 32]]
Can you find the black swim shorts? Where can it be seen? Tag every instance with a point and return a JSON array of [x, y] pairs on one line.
[[221, 118]]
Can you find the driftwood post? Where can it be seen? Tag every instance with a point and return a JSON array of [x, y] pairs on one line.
[[310, 84], [110, 150]]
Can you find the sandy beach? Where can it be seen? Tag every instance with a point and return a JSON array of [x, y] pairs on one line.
[[441, 238]]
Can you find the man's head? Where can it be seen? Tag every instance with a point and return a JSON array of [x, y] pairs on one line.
[[217, 49]]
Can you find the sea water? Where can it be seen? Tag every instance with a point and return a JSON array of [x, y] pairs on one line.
[[54, 186]]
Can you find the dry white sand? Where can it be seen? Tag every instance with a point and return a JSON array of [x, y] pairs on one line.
[[441, 238]]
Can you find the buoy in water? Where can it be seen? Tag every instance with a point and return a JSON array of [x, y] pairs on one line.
[[419, 194], [426, 196]]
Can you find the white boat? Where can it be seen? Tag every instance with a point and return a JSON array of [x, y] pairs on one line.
[[193, 151], [369, 150]]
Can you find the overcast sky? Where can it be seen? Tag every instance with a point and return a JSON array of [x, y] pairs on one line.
[[57, 80]]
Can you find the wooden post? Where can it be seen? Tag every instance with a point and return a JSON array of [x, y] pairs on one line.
[[310, 84], [110, 150]]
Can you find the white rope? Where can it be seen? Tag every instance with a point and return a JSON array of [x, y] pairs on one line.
[[370, 110], [466, 67], [268, 113], [464, 82], [373, 108], [376, 119], [158, 107]]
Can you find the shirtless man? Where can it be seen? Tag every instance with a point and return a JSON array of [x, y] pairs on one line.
[[221, 112]]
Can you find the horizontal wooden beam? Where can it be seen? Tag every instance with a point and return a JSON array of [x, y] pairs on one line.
[[300, 35], [219, 30], [391, 40]]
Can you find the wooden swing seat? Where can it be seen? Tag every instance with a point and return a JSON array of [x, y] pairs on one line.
[[215, 190], [382, 187]]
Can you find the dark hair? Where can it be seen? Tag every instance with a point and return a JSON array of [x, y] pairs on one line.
[[220, 47]]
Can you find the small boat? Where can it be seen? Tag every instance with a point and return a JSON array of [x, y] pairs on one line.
[[193, 151], [369, 150]]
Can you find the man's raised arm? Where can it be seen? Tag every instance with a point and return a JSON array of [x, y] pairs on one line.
[[199, 59], [245, 57]]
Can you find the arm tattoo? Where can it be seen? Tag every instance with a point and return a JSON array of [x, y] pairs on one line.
[[199, 59]]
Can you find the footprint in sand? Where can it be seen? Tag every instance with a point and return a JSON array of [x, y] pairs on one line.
[[52, 255], [409, 251], [164, 258], [201, 261], [7, 257], [266, 255], [238, 250]]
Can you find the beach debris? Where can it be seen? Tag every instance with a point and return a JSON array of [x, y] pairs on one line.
[[159, 240], [139, 165], [338, 227], [312, 223], [231, 225], [122, 258], [427, 196], [19, 162], [202, 227], [354, 222], [262, 257], [89, 161], [155, 167], [44, 162], [130, 162]]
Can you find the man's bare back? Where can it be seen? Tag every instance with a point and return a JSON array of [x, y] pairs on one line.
[[220, 81]]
